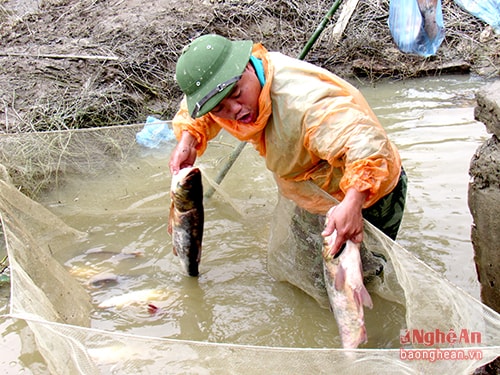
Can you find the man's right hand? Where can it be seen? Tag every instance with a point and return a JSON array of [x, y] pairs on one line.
[[347, 219], [184, 154]]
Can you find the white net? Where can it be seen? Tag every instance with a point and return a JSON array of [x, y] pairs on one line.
[[59, 309]]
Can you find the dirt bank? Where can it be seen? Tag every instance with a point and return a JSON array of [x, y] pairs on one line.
[[85, 63]]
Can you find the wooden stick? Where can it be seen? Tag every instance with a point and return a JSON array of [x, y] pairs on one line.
[[54, 56], [345, 16]]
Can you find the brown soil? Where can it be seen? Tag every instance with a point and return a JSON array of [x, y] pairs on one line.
[[86, 63]]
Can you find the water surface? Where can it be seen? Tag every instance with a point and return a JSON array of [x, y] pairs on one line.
[[235, 300]]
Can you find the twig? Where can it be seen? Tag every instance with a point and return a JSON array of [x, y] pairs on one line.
[[3, 264], [54, 56]]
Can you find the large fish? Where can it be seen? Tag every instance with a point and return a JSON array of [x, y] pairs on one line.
[[428, 10], [138, 296], [346, 291], [187, 217]]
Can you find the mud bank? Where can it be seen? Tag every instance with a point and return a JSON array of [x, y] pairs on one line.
[[484, 196]]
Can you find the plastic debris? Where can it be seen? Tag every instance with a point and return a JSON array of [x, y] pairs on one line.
[[486, 10], [4, 279], [155, 132]]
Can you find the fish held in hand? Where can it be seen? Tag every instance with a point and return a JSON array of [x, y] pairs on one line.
[[346, 292], [187, 217]]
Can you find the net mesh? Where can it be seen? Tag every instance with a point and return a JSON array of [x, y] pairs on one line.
[[57, 308]]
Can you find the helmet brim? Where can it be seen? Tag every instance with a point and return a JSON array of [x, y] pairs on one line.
[[213, 90]]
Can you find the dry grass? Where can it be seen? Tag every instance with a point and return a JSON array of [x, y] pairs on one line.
[[37, 161]]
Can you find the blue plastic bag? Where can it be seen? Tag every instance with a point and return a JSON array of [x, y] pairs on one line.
[[416, 25], [154, 132], [486, 10]]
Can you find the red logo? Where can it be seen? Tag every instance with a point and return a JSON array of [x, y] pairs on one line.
[[404, 337]]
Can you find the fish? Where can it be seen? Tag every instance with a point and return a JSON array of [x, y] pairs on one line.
[[131, 298], [346, 292], [186, 218], [103, 279], [428, 10]]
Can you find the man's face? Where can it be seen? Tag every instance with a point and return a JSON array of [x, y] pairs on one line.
[[242, 103]]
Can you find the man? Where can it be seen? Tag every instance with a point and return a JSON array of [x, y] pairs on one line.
[[307, 123]]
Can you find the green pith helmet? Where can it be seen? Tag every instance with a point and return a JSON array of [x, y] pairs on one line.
[[208, 68]]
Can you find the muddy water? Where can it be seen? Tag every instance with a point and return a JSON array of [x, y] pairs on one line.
[[431, 121], [128, 250]]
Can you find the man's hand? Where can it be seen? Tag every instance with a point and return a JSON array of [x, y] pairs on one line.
[[184, 154], [347, 219]]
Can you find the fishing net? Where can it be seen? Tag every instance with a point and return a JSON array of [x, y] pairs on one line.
[[58, 308]]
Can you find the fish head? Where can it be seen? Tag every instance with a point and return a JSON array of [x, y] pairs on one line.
[[352, 340], [191, 267], [186, 188]]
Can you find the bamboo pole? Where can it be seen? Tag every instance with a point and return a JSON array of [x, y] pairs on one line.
[[319, 29]]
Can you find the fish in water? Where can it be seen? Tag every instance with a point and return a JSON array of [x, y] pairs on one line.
[[103, 279], [187, 217], [346, 292], [136, 297]]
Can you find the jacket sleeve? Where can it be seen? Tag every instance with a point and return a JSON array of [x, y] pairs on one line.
[[203, 128], [344, 131]]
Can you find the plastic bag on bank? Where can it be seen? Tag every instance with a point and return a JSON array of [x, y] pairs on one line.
[[486, 10], [154, 132], [416, 25]]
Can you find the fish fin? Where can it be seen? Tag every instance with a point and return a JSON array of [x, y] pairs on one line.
[[198, 259], [362, 297], [353, 342], [363, 337], [365, 298], [170, 217], [340, 278]]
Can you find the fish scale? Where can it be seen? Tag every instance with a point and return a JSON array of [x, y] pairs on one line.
[[346, 292], [186, 218]]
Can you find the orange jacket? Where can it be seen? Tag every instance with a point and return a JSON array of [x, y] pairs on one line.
[[313, 126]]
